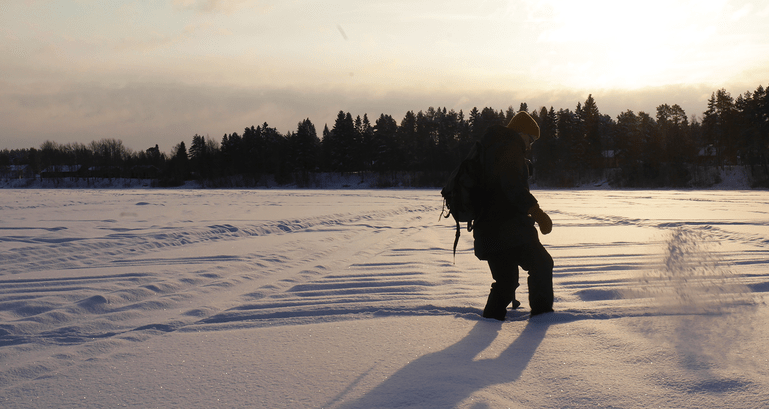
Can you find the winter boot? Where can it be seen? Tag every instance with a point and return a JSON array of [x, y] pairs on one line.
[[496, 304]]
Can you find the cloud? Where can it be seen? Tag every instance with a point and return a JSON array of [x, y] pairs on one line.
[[744, 11], [155, 40], [140, 114], [183, 4], [152, 42], [143, 114], [221, 6]]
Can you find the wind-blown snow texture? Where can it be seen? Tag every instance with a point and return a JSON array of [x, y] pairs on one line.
[[350, 299]]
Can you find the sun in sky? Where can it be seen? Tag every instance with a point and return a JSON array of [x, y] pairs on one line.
[[652, 43]]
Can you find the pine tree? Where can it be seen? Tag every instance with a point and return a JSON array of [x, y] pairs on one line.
[[676, 144], [386, 147], [719, 127], [651, 153], [590, 119], [198, 157], [509, 114], [251, 153], [426, 140], [628, 149], [179, 165], [303, 147], [544, 152], [571, 137], [339, 145], [275, 157], [366, 134], [407, 140]]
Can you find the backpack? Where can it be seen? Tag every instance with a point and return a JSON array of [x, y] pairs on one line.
[[463, 193]]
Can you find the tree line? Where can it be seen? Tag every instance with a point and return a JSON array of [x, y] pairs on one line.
[[661, 149]]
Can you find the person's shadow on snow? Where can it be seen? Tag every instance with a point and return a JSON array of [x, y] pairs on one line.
[[443, 379]]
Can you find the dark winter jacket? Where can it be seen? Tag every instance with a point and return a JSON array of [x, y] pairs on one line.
[[504, 221]]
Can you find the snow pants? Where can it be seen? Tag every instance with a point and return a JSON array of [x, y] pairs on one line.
[[532, 257]]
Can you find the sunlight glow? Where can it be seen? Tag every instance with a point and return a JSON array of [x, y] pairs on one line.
[[626, 44]]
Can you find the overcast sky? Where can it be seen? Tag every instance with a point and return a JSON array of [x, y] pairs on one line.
[[159, 71]]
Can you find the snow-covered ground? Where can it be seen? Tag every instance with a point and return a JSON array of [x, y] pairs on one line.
[[351, 299]]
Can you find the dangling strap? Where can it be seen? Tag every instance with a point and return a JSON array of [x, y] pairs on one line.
[[456, 240], [444, 213]]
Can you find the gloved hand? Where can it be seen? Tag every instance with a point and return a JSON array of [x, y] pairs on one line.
[[542, 219]]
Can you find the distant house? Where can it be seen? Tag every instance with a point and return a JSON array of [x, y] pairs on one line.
[[16, 172], [104, 172], [145, 172], [61, 171], [707, 156], [610, 157]]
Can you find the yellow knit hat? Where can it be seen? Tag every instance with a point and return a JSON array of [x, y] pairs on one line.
[[523, 122]]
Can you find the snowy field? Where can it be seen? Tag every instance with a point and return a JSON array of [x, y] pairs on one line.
[[351, 299]]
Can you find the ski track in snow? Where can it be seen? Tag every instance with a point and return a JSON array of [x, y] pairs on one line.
[[69, 276], [95, 293]]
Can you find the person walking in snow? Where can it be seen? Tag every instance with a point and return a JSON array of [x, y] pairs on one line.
[[504, 231]]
